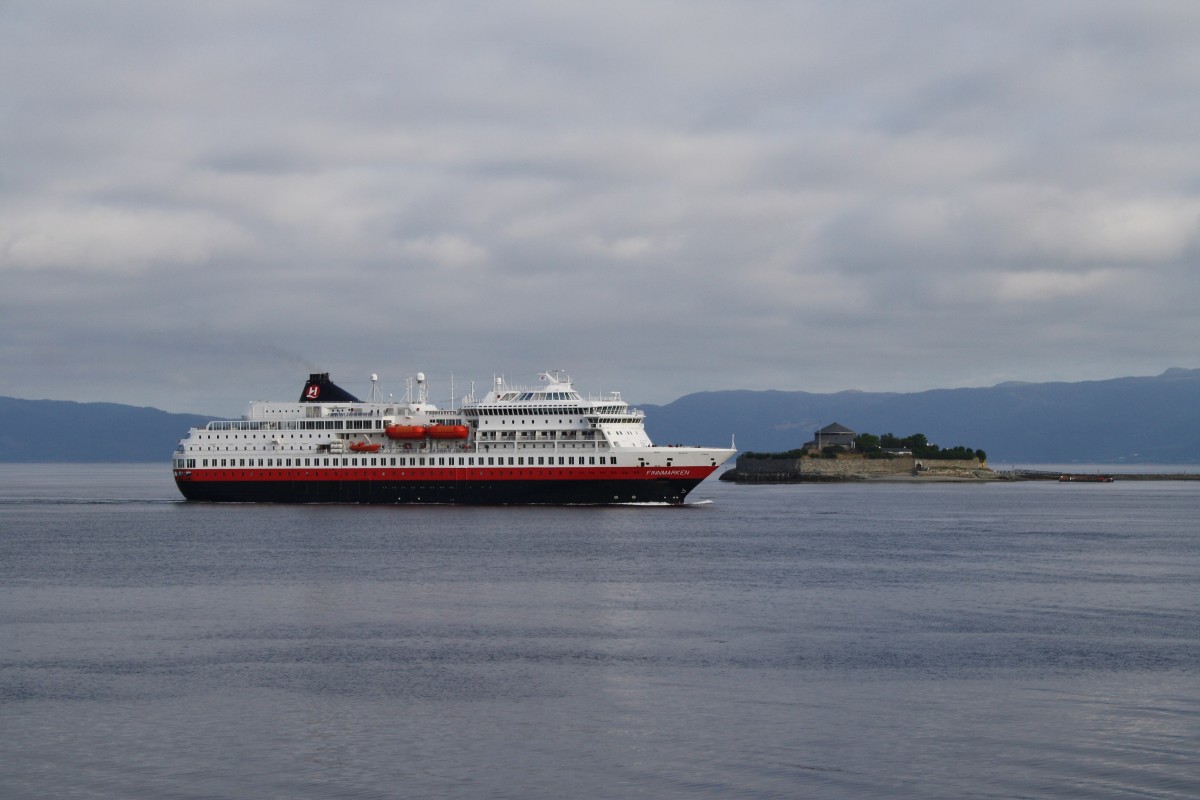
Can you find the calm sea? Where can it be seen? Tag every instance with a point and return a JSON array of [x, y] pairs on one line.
[[1027, 640]]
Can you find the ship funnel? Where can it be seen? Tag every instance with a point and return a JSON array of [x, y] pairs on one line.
[[320, 389]]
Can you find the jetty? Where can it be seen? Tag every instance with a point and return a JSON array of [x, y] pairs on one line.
[[1019, 474]]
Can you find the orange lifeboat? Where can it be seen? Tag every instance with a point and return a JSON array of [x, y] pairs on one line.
[[405, 431], [448, 432], [365, 447]]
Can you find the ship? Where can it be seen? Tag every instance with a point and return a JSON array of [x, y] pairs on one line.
[[544, 443]]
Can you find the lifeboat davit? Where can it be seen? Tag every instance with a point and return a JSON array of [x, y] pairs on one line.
[[405, 431], [365, 447], [448, 431]]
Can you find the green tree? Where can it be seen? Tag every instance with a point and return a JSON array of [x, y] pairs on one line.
[[867, 443]]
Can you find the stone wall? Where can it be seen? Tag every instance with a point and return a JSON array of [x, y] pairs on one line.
[[849, 468]]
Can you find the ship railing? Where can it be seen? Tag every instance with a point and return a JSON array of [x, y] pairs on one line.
[[365, 410]]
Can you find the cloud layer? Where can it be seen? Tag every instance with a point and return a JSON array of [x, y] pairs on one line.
[[200, 202]]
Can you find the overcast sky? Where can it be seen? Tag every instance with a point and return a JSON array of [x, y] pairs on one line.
[[200, 203]]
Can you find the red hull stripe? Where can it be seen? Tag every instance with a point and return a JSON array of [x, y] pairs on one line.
[[442, 474]]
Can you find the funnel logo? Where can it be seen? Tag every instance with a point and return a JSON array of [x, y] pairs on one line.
[[312, 392]]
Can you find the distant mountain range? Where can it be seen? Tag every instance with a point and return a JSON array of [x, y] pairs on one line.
[[1137, 420], [62, 431]]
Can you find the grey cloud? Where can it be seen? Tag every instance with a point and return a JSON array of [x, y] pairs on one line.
[[666, 196]]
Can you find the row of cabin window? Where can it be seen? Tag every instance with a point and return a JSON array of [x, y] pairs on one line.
[[531, 411], [611, 416], [413, 461], [309, 425], [538, 411], [266, 436], [298, 425], [492, 443]]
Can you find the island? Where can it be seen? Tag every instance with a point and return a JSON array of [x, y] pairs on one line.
[[837, 453]]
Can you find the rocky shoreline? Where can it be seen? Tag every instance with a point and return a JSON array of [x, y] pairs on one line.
[[904, 469], [755, 469]]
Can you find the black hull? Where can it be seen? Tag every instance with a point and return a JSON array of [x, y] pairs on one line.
[[487, 493]]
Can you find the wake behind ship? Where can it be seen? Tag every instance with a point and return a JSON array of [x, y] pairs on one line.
[[544, 444]]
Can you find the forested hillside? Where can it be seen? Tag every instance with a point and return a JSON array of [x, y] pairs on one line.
[[58, 430], [1148, 420]]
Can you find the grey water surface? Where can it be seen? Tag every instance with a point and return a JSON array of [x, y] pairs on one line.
[[827, 641]]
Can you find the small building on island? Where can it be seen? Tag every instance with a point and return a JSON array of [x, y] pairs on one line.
[[833, 435]]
